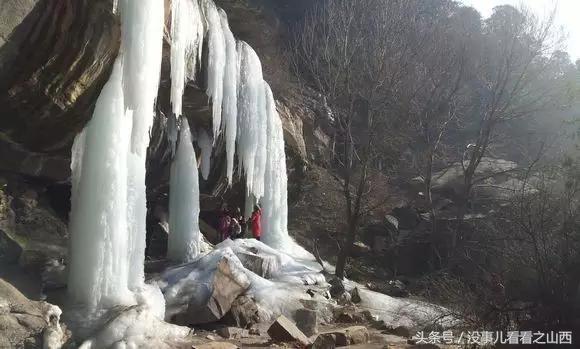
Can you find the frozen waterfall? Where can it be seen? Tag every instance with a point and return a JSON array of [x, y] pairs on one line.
[[98, 263], [107, 221], [108, 196], [243, 107], [184, 235]]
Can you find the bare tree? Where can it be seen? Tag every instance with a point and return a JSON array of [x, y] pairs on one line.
[[434, 98], [356, 53], [516, 49]]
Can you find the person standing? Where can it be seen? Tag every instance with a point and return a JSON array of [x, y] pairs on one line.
[[224, 223], [256, 221], [238, 224], [235, 229]]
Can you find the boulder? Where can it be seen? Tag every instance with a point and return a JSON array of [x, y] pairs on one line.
[[324, 341], [450, 179], [243, 313], [407, 217], [284, 330], [360, 249], [344, 299], [355, 295], [394, 288], [336, 287], [28, 324], [307, 321], [354, 335], [227, 285], [401, 331], [263, 265], [30, 234], [351, 315], [233, 332], [325, 310]]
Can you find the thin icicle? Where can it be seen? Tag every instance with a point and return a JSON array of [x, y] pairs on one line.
[[187, 32], [216, 63], [184, 235], [230, 106], [205, 144], [200, 30]]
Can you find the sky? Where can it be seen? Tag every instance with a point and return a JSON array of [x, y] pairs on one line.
[[567, 13]]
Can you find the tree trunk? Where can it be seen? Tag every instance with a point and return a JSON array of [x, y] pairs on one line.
[[345, 251], [435, 256]]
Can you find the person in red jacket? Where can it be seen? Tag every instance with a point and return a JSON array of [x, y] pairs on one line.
[[256, 221]]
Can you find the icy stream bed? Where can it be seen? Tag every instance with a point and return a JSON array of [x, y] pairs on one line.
[[287, 287]]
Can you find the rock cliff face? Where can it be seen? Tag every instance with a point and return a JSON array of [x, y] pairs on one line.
[[54, 58]]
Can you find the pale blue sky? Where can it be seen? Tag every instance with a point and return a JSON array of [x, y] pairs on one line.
[[567, 16]]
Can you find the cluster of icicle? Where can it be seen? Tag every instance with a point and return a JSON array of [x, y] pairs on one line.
[[243, 108], [107, 245]]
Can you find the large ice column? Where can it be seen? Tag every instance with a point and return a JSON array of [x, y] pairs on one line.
[[184, 235], [187, 31], [216, 62], [98, 265], [275, 200], [250, 123], [230, 96], [141, 50], [107, 224], [205, 144]]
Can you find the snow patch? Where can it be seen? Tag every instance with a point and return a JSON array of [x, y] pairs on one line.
[[280, 294]]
